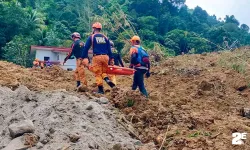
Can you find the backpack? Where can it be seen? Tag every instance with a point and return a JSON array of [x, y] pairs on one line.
[[143, 57]]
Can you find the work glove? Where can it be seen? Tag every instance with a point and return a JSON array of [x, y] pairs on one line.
[[147, 74]]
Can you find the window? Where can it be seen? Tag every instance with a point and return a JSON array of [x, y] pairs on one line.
[[46, 58]]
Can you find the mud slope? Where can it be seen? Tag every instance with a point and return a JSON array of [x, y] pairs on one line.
[[195, 100]]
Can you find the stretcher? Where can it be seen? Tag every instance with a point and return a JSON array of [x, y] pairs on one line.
[[116, 70]]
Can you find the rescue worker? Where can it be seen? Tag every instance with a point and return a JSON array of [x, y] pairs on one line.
[[140, 63], [117, 61], [101, 56], [36, 63], [76, 50], [42, 64], [48, 64]]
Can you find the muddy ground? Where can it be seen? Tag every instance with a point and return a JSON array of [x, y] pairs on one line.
[[194, 103]]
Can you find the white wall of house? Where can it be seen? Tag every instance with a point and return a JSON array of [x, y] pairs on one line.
[[70, 64], [57, 56], [40, 54]]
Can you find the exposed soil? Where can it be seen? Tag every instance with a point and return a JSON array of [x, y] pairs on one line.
[[195, 100]]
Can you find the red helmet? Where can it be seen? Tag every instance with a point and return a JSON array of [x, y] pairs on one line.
[[75, 35], [97, 25]]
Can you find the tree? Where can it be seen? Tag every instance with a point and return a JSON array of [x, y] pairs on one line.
[[201, 14], [244, 27], [170, 24], [17, 51], [177, 40], [232, 19]]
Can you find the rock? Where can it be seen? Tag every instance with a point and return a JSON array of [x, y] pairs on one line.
[[20, 128], [39, 145], [103, 100], [17, 144], [44, 139], [205, 86], [245, 112], [89, 107], [93, 145], [138, 143], [117, 147], [74, 138], [52, 131]]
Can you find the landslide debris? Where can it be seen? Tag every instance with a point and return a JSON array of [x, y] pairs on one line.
[[195, 101], [58, 120]]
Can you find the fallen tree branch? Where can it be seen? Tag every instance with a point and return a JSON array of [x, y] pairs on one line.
[[130, 131], [164, 139], [212, 137]]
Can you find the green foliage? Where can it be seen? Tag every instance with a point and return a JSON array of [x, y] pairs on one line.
[[168, 26], [130, 103], [17, 50], [200, 133], [240, 68]]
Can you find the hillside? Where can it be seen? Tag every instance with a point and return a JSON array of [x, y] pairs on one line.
[[169, 24], [195, 100]]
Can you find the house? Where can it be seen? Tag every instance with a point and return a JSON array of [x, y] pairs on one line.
[[55, 55]]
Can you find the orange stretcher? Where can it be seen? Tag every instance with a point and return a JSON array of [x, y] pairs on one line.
[[116, 70]]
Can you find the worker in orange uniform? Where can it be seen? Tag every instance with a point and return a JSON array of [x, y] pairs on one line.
[[36, 63], [42, 64], [117, 61], [76, 50], [101, 56], [140, 62]]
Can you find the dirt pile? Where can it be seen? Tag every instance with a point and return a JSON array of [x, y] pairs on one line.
[[12, 76], [195, 101], [62, 120]]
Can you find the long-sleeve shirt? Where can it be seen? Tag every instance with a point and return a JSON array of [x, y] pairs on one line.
[[117, 57], [100, 44], [77, 49]]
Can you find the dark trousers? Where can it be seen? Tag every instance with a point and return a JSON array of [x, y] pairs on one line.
[[138, 81]]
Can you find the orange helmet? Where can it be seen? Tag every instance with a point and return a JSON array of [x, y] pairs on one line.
[[97, 25], [75, 35], [135, 38]]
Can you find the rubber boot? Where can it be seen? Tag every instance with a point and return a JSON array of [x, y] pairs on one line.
[[100, 90], [110, 83], [78, 83]]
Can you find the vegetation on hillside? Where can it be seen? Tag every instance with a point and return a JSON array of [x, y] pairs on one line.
[[168, 24]]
